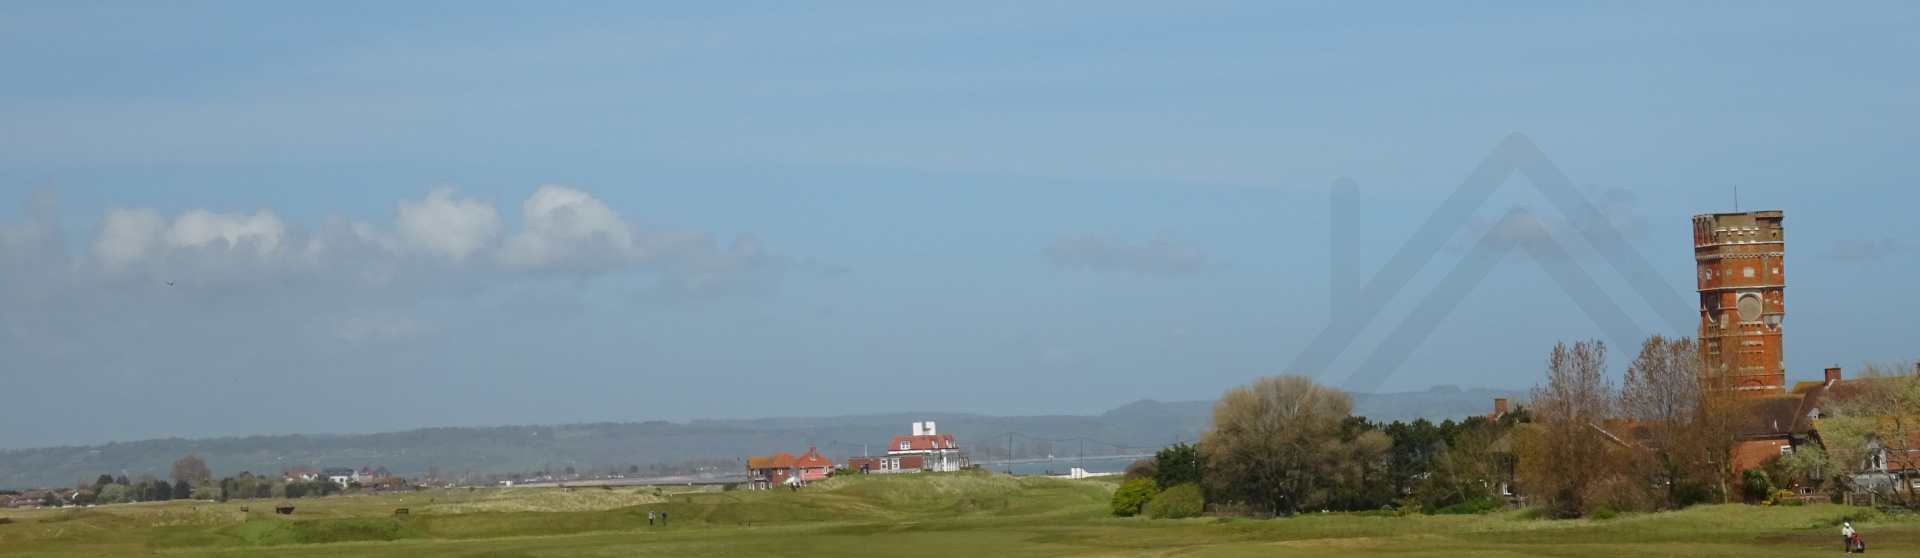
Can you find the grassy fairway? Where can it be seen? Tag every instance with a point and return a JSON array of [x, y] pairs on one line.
[[977, 514]]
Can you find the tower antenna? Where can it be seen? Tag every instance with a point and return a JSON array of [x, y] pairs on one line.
[[1736, 198]]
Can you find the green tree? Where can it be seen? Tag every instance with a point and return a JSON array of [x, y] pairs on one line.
[[1132, 495], [1180, 501], [50, 500], [1281, 444], [1176, 465], [112, 494], [210, 491], [102, 481], [181, 490]]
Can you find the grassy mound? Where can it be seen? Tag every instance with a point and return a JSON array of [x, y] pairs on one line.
[[275, 532]]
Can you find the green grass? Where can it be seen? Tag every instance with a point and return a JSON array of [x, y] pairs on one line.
[[975, 513]]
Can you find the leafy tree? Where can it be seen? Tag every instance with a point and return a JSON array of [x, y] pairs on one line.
[[50, 500], [1180, 501], [1132, 495], [1279, 444], [181, 490], [112, 493], [210, 491], [121, 480], [1176, 465], [191, 470], [1873, 430], [1141, 469], [1467, 470], [102, 481], [294, 489]]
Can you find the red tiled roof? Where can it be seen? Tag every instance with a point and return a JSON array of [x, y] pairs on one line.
[[812, 459], [922, 443], [781, 460]]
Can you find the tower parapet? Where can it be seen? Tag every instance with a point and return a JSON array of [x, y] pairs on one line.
[[1738, 257]]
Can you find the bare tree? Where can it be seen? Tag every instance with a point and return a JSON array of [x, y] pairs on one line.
[[1276, 444], [1566, 458], [191, 469], [1676, 414]]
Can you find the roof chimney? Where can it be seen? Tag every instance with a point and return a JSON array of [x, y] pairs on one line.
[[930, 431], [917, 430], [1833, 374], [1499, 406]]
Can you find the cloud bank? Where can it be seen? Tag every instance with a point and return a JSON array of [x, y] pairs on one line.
[[438, 239]]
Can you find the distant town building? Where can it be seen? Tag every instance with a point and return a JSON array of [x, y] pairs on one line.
[[924, 450], [784, 469], [339, 475], [1737, 257]]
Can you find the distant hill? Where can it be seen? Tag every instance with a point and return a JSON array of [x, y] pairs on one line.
[[1134, 427]]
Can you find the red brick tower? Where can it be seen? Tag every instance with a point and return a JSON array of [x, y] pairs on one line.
[[1738, 257]]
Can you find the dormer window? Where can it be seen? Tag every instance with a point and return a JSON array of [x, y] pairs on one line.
[[904, 446]]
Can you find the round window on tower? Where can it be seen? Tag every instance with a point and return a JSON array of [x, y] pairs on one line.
[[1748, 306]]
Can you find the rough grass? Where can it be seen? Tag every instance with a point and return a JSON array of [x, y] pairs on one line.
[[973, 513]]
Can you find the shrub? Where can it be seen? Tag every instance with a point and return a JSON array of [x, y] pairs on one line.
[[1483, 505], [1142, 469], [1180, 502], [1693, 493], [1755, 484], [1604, 512], [1128, 499]]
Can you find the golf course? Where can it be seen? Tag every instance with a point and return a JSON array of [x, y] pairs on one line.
[[970, 513]]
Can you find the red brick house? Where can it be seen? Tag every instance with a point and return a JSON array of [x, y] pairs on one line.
[[783, 468]]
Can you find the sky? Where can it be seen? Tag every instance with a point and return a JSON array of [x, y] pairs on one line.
[[260, 218]]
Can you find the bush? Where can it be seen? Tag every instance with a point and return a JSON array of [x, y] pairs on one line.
[[1142, 469], [1604, 512], [1757, 487], [1132, 495], [1483, 505], [1693, 493], [1180, 502]]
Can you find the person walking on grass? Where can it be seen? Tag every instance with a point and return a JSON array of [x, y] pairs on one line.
[[649, 518], [1848, 537]]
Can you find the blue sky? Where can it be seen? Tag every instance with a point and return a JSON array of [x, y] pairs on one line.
[[381, 216]]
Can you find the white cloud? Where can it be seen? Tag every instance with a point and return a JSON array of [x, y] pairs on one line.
[[201, 228], [441, 225], [1162, 256], [563, 227], [127, 236]]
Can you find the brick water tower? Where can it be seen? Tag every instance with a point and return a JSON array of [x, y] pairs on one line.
[[1738, 259]]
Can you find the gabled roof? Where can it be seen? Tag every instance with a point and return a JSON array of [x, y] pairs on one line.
[[1776, 415], [812, 459], [780, 460], [923, 443]]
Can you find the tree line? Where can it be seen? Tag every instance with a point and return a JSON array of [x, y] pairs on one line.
[[192, 480], [1663, 439]]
